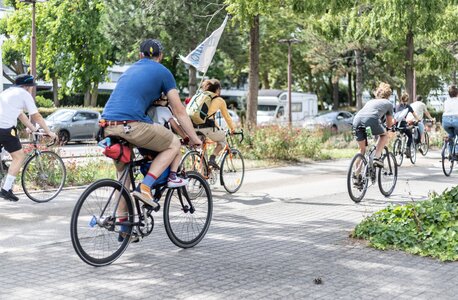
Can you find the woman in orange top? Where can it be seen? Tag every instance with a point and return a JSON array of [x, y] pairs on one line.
[[214, 133]]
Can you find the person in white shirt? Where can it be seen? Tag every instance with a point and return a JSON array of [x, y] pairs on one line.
[[419, 107], [450, 115], [13, 102]]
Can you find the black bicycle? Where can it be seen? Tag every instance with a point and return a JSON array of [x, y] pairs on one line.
[[107, 218], [449, 155], [362, 172]]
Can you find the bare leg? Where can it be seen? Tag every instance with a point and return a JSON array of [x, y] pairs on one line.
[[165, 158], [16, 162], [382, 140]]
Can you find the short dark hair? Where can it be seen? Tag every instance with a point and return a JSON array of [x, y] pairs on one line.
[[453, 91], [419, 98]]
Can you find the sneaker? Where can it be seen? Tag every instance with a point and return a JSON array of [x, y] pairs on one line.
[[8, 195], [145, 197], [378, 163], [134, 238], [176, 182]]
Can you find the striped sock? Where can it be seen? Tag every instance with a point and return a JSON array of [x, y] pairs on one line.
[[149, 179]]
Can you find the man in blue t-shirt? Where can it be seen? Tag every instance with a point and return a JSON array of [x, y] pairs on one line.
[[125, 116]]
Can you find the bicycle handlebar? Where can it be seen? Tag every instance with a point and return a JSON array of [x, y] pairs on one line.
[[37, 134]]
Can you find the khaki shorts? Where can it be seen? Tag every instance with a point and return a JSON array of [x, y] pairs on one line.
[[214, 134], [150, 136]]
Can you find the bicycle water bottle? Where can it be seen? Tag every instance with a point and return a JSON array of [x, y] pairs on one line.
[[369, 132]]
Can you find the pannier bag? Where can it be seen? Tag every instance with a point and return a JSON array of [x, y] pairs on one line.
[[118, 152]]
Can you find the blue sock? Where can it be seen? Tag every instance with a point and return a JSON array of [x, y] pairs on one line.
[[149, 179]]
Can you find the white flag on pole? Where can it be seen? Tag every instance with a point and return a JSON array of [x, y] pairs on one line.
[[202, 56]]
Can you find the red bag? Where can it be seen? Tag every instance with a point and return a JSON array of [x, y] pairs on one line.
[[118, 152]]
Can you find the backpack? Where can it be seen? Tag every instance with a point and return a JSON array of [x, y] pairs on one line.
[[401, 115], [198, 106]]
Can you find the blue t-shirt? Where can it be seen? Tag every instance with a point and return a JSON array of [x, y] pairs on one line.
[[136, 89]]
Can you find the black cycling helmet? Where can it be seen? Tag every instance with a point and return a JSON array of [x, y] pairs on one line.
[[25, 80], [151, 48]]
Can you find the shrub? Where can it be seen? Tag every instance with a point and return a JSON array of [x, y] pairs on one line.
[[280, 143], [43, 102], [427, 228]]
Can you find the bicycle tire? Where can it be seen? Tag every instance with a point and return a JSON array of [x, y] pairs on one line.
[[447, 160], [397, 150], [43, 176], [389, 173], [4, 165], [425, 146], [91, 240], [413, 153], [232, 171], [193, 160], [357, 178], [185, 227]]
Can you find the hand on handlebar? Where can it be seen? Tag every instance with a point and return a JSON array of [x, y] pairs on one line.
[[195, 142]]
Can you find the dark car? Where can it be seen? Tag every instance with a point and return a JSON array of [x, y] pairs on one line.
[[74, 124], [336, 121]]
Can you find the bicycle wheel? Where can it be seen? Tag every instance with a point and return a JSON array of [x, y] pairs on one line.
[[94, 230], [188, 212], [43, 176], [397, 150], [424, 147], [232, 171], [357, 178], [388, 175], [413, 153], [194, 161], [447, 159]]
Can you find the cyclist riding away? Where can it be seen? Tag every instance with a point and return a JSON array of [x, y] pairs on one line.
[[402, 110], [202, 109], [370, 116], [13, 102], [450, 115], [125, 116], [421, 110]]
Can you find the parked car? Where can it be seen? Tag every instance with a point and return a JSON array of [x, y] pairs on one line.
[[219, 119], [74, 124], [336, 121]]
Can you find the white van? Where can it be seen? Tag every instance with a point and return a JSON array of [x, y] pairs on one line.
[[273, 107]]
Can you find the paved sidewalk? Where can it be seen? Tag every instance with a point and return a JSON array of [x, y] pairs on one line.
[[269, 241]]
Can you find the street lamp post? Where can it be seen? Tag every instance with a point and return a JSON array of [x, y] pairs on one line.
[[289, 42], [33, 43]]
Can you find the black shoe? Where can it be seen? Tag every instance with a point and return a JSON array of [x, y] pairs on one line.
[[408, 152], [8, 195], [213, 164], [378, 163]]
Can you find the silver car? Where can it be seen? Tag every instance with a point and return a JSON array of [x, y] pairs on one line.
[[335, 121], [74, 124]]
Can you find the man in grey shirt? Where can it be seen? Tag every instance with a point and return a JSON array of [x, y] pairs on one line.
[[371, 115]]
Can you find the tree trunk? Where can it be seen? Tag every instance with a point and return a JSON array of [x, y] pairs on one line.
[[409, 67], [55, 91], [335, 92], [87, 97], [94, 94], [359, 79], [350, 92], [253, 75], [192, 82], [354, 89], [265, 80]]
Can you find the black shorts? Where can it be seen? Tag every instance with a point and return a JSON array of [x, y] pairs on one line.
[[373, 123], [10, 140]]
